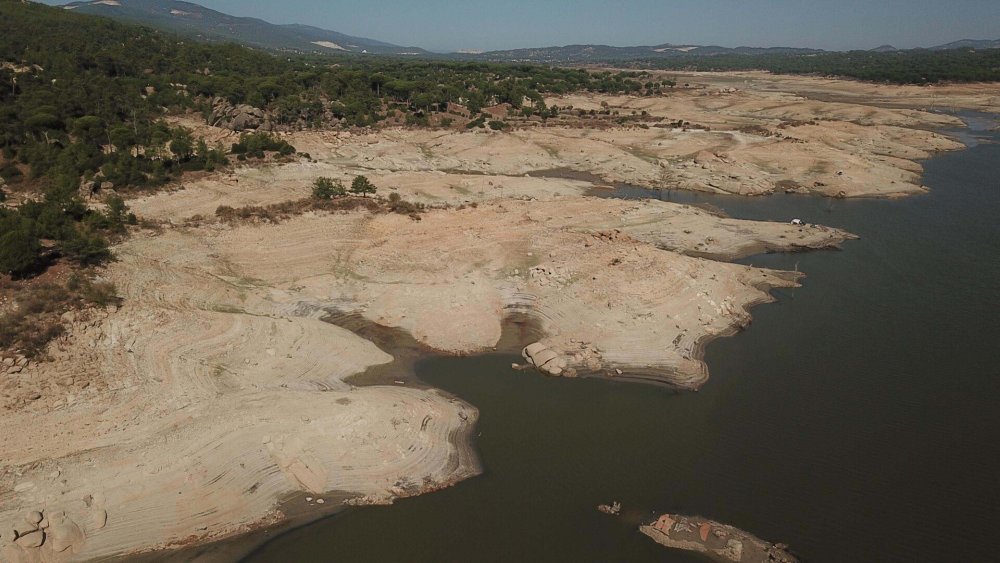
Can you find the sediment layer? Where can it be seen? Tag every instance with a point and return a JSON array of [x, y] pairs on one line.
[[215, 390]]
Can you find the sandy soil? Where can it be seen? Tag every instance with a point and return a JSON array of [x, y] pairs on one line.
[[216, 391], [983, 97]]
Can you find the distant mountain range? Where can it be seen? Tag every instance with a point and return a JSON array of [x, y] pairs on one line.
[[587, 53], [978, 44], [210, 25]]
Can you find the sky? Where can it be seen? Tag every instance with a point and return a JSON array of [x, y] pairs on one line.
[[450, 25]]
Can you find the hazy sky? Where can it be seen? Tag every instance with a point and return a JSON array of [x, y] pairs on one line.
[[446, 25]]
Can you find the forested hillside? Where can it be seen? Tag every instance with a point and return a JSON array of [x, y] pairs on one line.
[[78, 83], [83, 98]]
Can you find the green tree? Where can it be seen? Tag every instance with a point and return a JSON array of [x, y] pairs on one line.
[[118, 215], [181, 144], [362, 186], [326, 188], [89, 129], [20, 252], [122, 137]]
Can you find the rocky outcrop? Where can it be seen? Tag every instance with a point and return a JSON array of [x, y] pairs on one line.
[[96, 189], [42, 536], [240, 117], [545, 359], [719, 542]]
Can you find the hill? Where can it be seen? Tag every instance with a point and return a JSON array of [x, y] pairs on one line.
[[211, 25], [969, 44], [601, 53]]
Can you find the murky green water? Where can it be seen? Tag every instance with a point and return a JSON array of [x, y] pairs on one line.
[[856, 420]]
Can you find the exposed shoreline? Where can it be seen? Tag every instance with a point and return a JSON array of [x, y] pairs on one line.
[[187, 394]]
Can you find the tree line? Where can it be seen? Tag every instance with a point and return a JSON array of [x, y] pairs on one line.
[[83, 100], [899, 67]]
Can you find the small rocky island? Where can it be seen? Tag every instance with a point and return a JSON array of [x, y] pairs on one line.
[[720, 542]]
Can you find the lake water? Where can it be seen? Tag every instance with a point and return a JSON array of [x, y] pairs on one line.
[[856, 420]]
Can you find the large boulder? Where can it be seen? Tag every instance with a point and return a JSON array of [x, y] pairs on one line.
[[31, 540], [545, 359], [240, 117], [63, 533]]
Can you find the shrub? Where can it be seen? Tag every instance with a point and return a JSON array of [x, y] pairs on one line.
[[326, 188], [399, 205], [86, 248], [254, 145], [20, 252], [9, 171], [35, 321], [497, 125], [118, 215]]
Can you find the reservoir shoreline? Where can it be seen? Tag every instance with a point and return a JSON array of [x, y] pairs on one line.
[[718, 387]]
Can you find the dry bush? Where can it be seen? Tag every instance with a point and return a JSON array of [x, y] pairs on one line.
[[758, 130], [278, 212], [36, 319]]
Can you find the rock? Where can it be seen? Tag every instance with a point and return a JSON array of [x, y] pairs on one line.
[[237, 118], [31, 540], [64, 534], [705, 157], [7, 534], [98, 519], [34, 517], [532, 349], [613, 509], [543, 357]]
